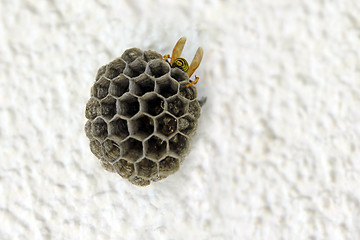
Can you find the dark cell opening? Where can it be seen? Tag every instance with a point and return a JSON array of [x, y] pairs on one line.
[[99, 128], [131, 149], [176, 106], [119, 128], [158, 68], [146, 168], [108, 107], [167, 88], [187, 92], [119, 86], [155, 106], [178, 144], [156, 147], [143, 126], [169, 165], [167, 124], [128, 106]]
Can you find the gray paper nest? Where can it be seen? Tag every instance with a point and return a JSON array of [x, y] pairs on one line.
[[141, 116]]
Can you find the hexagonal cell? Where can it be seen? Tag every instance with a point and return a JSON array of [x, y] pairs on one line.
[[177, 106], [115, 68], [106, 165], [96, 148], [108, 107], [142, 126], [100, 72], [150, 55], [146, 168], [188, 92], [179, 75], [158, 68], [135, 68], [111, 151], [141, 85], [167, 124], [131, 54], [88, 129], [119, 85], [128, 105], [101, 88], [194, 109], [124, 168], [179, 144], [166, 87], [99, 128], [92, 109], [155, 147], [131, 149], [139, 181], [169, 165], [187, 125], [153, 104], [118, 129]]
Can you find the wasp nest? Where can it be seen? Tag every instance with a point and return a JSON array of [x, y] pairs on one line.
[[141, 116]]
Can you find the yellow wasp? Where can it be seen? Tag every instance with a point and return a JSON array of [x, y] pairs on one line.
[[179, 62]]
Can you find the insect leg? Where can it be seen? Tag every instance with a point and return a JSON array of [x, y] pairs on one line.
[[193, 82]]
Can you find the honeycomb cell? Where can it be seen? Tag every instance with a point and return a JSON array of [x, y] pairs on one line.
[[142, 126], [135, 68], [131, 149], [119, 86], [139, 181], [153, 104], [115, 68], [166, 87], [188, 92], [124, 168], [194, 109], [155, 148], [96, 148], [111, 151], [101, 88], [100, 72], [118, 129], [179, 144], [92, 109], [169, 165], [99, 128], [158, 68], [179, 75], [131, 54], [167, 124], [150, 55], [187, 125], [146, 168], [128, 105], [141, 85], [108, 107], [177, 106], [88, 129], [106, 165]]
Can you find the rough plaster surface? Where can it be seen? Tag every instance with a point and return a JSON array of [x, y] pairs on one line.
[[277, 151]]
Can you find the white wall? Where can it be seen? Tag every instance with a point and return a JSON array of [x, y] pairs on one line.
[[277, 152]]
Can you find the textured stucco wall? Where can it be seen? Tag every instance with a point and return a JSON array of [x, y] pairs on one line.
[[277, 152]]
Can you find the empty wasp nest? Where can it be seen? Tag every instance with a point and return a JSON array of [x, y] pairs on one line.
[[140, 116]]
